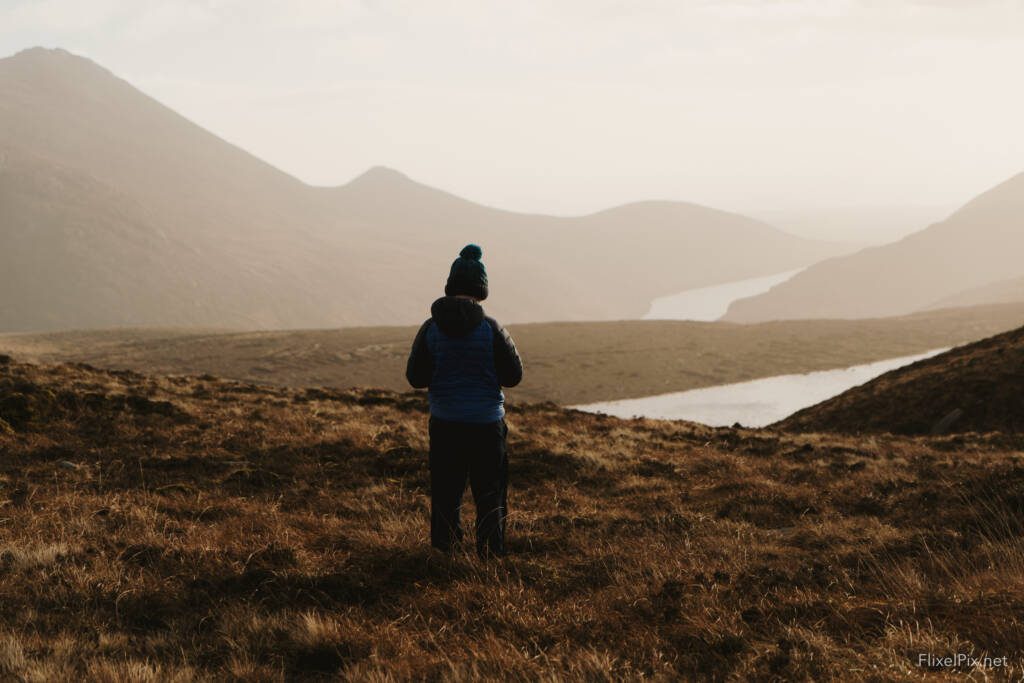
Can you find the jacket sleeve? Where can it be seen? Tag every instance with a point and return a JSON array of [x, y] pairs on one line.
[[506, 358], [420, 368]]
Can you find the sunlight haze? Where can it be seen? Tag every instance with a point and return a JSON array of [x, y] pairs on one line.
[[582, 340], [771, 108]]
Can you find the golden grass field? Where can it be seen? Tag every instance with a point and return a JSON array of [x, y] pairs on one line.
[[162, 528], [569, 363]]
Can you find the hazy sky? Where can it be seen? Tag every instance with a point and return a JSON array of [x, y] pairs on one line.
[[574, 105]]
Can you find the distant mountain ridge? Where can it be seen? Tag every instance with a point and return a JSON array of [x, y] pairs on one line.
[[116, 211], [976, 246], [1001, 292]]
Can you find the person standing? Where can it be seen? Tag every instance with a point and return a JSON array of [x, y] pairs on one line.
[[464, 358]]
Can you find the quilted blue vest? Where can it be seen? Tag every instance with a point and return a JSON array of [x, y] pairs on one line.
[[464, 387]]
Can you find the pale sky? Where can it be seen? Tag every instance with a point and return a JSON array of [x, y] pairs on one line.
[[576, 105]]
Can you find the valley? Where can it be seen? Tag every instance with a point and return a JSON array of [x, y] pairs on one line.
[[567, 363]]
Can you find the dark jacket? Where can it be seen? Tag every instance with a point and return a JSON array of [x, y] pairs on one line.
[[464, 357]]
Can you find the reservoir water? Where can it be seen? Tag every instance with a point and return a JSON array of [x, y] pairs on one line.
[[756, 403]]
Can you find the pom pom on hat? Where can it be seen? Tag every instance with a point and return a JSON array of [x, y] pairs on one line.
[[472, 251]]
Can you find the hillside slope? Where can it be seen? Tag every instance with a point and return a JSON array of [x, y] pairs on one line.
[[1001, 292], [977, 245], [183, 528], [115, 210], [973, 388]]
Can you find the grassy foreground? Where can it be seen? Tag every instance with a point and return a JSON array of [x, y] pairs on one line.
[[180, 528]]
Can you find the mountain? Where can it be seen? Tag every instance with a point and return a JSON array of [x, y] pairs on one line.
[[863, 225], [1001, 292], [973, 388], [116, 211], [977, 245]]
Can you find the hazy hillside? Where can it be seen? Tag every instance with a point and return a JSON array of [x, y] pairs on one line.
[[863, 225], [180, 529], [1002, 292], [568, 363], [116, 211], [979, 244], [972, 388]]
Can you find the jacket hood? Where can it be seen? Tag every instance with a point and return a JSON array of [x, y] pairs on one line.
[[456, 316]]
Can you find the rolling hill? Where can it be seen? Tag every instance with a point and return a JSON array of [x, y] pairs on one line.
[[973, 388], [976, 246], [116, 211]]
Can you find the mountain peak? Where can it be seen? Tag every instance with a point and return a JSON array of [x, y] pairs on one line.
[[381, 176], [36, 62], [50, 55], [42, 52]]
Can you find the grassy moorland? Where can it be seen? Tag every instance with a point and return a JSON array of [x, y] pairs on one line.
[[161, 528], [568, 363]]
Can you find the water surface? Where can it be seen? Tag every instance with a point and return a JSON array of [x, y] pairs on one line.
[[711, 303], [756, 403]]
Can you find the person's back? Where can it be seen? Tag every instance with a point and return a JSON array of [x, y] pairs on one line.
[[464, 358]]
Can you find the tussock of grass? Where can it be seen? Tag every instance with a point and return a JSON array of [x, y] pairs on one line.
[[174, 528], [33, 556]]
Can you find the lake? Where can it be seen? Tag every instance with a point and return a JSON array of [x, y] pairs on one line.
[[711, 303], [756, 403]]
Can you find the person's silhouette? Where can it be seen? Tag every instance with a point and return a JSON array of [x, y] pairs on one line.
[[464, 358]]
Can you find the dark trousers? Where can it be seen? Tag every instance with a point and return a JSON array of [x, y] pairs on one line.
[[461, 450]]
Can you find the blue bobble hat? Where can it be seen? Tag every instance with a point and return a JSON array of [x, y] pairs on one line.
[[468, 275]]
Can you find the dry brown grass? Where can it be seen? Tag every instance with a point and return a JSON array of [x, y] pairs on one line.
[[174, 528], [972, 388]]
